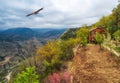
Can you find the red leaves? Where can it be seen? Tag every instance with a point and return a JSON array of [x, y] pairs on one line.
[[58, 78]]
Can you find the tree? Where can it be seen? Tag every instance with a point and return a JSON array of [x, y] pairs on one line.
[[82, 33], [70, 33], [67, 48], [116, 15], [49, 50], [99, 39], [50, 53], [27, 76], [84, 41]]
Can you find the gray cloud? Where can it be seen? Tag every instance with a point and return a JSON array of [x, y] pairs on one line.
[[56, 13]]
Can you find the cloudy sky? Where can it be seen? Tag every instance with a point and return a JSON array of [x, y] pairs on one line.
[[56, 13]]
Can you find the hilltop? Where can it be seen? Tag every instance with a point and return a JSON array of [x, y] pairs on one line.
[[94, 66]]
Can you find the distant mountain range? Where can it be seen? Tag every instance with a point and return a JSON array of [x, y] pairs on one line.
[[21, 34]]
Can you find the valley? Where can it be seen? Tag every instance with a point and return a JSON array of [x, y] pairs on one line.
[[18, 44]]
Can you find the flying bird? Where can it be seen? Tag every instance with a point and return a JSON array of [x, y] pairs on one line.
[[36, 12]]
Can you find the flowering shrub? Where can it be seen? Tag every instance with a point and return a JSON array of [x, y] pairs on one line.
[[54, 78], [59, 78], [66, 77]]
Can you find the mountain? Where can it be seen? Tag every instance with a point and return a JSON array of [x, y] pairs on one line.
[[16, 34], [51, 33], [15, 38], [17, 44], [21, 34]]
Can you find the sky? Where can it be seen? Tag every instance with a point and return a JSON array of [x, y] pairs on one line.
[[56, 13]]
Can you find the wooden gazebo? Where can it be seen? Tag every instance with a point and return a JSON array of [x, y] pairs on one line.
[[92, 33]]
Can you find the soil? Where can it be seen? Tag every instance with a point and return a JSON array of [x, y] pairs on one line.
[[93, 65]]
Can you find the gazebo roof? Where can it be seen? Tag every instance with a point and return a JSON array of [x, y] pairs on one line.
[[96, 28]]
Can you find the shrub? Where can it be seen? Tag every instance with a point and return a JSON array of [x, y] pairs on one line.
[[99, 39], [59, 78], [51, 53], [67, 48], [27, 76], [82, 33]]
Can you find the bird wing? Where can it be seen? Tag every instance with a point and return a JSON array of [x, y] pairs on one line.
[[30, 14], [38, 10]]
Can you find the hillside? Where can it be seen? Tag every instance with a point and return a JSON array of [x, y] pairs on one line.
[[70, 33], [94, 66], [17, 44]]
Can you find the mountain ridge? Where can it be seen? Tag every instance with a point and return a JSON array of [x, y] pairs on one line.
[[23, 33]]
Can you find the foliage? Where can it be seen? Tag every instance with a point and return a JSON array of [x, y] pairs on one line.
[[3, 82], [54, 53], [99, 38], [57, 78], [67, 48], [84, 41], [27, 76], [54, 78], [116, 35], [116, 15], [69, 34], [49, 51], [111, 22], [117, 49], [82, 33]]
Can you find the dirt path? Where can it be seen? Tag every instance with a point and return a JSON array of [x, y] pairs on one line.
[[95, 66]]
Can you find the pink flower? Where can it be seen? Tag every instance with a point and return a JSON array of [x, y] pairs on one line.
[[66, 77], [54, 78]]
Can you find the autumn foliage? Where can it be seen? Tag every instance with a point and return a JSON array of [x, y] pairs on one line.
[[59, 78]]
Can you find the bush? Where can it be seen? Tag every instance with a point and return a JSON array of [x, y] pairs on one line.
[[59, 78], [27, 76], [82, 33], [50, 52], [67, 48]]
